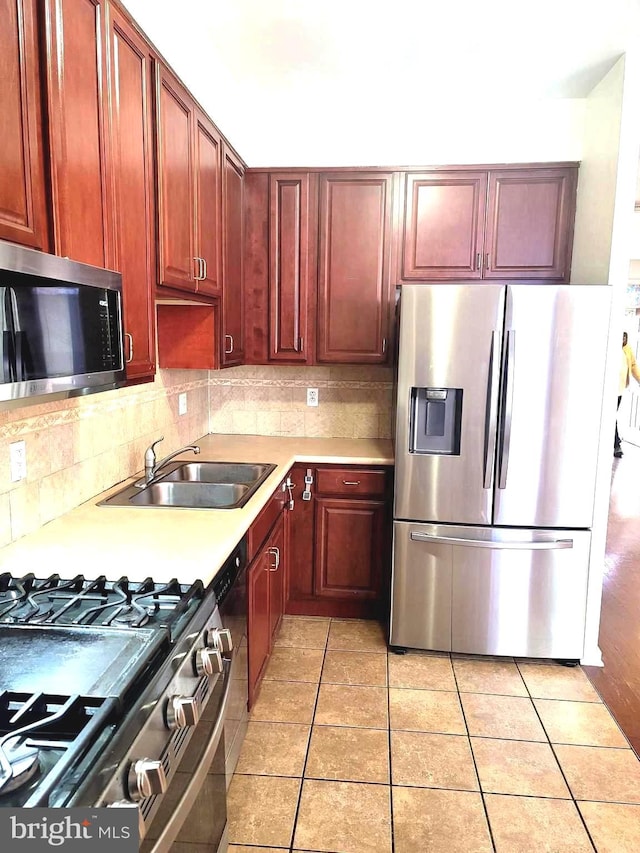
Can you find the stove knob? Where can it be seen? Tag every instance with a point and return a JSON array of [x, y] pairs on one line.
[[208, 662], [182, 712], [146, 777], [226, 643], [220, 638]]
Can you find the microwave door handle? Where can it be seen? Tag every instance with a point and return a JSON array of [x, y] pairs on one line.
[[507, 408], [8, 364], [491, 413], [19, 356]]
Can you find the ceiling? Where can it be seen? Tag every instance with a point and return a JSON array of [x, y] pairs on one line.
[[238, 56]]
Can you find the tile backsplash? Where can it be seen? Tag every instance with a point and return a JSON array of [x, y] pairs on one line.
[[354, 401], [79, 447], [76, 448]]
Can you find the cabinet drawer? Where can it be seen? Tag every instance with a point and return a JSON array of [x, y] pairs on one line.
[[350, 481]]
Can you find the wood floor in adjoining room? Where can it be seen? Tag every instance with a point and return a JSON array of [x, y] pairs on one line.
[[618, 682]]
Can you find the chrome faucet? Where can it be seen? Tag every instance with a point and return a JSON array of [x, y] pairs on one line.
[[151, 466]]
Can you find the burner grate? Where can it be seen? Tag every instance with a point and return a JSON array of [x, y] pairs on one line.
[[78, 601]]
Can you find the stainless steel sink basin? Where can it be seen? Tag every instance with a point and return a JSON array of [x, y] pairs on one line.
[[193, 495], [196, 485], [219, 472]]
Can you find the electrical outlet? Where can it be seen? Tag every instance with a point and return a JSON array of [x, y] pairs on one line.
[[312, 396], [18, 459], [182, 403]]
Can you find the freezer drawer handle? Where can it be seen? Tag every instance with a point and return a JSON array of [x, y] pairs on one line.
[[550, 545]]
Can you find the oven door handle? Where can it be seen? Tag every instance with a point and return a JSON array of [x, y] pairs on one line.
[[185, 803]]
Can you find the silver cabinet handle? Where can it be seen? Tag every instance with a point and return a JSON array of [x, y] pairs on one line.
[[230, 350], [478, 261], [275, 552], [491, 413], [488, 257], [548, 545], [196, 274], [204, 268], [130, 337], [507, 408], [351, 482], [384, 346]]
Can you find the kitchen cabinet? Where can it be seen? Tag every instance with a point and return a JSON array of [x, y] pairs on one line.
[[338, 545], [188, 337], [266, 585], [530, 224], [354, 282], [318, 273], [77, 107], [488, 224], [188, 164], [23, 215], [292, 268], [232, 260], [131, 100]]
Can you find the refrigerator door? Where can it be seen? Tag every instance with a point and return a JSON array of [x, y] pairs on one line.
[[450, 347], [554, 355], [523, 594]]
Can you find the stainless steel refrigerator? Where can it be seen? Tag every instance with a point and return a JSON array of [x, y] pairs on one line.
[[499, 403]]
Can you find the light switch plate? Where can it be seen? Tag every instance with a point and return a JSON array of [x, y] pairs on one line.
[[182, 403], [18, 460], [312, 396]]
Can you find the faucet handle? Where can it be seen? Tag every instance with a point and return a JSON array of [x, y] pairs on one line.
[[150, 454]]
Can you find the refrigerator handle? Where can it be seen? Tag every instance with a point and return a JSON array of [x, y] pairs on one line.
[[507, 409], [491, 414], [548, 545]]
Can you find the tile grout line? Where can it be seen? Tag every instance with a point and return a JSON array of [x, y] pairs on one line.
[[551, 746], [473, 757], [393, 839], [306, 756]]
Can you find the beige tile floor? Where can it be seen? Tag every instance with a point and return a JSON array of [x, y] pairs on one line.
[[353, 750]]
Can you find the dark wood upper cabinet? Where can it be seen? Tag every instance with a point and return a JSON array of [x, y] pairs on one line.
[[23, 216], [530, 223], [232, 260], [176, 206], [207, 199], [77, 101], [444, 216], [132, 147], [292, 268], [354, 281]]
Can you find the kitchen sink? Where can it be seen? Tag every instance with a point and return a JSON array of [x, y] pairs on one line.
[[219, 472], [195, 485], [190, 494]]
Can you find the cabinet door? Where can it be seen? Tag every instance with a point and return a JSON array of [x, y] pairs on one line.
[[207, 198], [131, 81], [232, 249], [354, 281], [77, 108], [174, 135], [530, 224], [292, 223], [349, 548], [258, 624], [444, 215], [22, 186], [277, 569]]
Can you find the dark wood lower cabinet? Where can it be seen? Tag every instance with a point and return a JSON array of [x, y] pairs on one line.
[[265, 594], [338, 543]]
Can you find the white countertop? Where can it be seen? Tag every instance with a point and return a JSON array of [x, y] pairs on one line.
[[187, 544]]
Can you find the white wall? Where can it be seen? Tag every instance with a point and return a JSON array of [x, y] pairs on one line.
[[604, 220]]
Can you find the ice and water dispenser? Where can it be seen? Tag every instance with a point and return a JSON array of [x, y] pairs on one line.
[[436, 415]]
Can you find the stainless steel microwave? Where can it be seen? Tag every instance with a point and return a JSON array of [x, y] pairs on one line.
[[60, 325]]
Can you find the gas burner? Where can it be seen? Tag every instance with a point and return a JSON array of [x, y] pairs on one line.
[[78, 601]]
